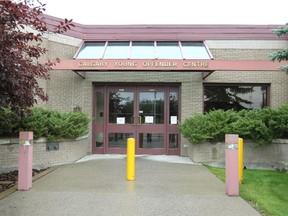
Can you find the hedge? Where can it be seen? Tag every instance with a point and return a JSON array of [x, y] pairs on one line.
[[43, 122], [261, 125]]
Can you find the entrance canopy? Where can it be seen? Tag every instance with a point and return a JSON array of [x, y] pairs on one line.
[[154, 55], [166, 65], [161, 48]]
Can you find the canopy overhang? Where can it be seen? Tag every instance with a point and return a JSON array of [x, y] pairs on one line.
[[205, 66]]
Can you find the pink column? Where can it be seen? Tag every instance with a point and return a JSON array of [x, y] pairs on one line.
[[25, 161], [231, 160]]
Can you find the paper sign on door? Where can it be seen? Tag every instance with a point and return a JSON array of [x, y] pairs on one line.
[[173, 119], [120, 120], [149, 119]]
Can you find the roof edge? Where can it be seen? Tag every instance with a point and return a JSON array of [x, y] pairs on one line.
[[167, 31]]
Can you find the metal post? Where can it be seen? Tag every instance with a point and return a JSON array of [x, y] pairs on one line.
[[25, 161], [240, 159], [131, 159]]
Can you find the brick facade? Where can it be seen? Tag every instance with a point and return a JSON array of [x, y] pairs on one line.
[[69, 151], [67, 90], [251, 50]]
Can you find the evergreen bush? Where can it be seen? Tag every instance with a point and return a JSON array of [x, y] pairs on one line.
[[9, 122], [47, 123], [259, 125]]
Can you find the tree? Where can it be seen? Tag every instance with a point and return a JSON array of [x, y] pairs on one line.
[[226, 97], [20, 52], [281, 55]]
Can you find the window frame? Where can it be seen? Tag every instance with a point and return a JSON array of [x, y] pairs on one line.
[[267, 85], [130, 49]]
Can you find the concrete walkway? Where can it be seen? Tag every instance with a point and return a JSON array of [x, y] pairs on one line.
[[96, 185]]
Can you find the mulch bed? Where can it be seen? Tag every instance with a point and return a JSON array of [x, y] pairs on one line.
[[8, 180]]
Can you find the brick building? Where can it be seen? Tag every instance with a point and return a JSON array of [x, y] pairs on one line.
[[140, 80]]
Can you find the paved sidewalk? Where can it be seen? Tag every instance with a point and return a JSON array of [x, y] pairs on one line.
[[164, 185]]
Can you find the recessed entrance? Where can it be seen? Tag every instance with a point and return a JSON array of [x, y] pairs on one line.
[[147, 113]]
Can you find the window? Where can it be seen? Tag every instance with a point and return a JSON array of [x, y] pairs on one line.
[[143, 50], [173, 108], [237, 97], [117, 50], [91, 50], [168, 50], [194, 50]]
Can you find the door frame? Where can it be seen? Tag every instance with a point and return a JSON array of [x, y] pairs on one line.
[[136, 87]]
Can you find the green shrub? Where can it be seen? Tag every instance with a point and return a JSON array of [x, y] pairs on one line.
[[9, 122], [195, 129], [47, 123], [75, 125], [37, 122], [259, 125], [210, 127], [278, 122]]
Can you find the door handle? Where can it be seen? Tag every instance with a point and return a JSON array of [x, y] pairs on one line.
[[139, 120], [133, 120]]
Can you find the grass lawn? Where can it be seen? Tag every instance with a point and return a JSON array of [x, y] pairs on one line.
[[266, 189]]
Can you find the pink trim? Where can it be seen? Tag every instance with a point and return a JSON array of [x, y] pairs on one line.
[[231, 138], [231, 161], [23, 135], [166, 64], [167, 32], [25, 167]]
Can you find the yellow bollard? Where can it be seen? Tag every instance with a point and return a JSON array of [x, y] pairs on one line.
[[131, 159], [240, 159]]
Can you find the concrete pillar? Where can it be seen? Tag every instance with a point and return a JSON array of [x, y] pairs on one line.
[[231, 161], [25, 161]]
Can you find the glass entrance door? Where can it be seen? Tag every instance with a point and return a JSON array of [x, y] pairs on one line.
[[151, 121], [121, 118], [148, 114]]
